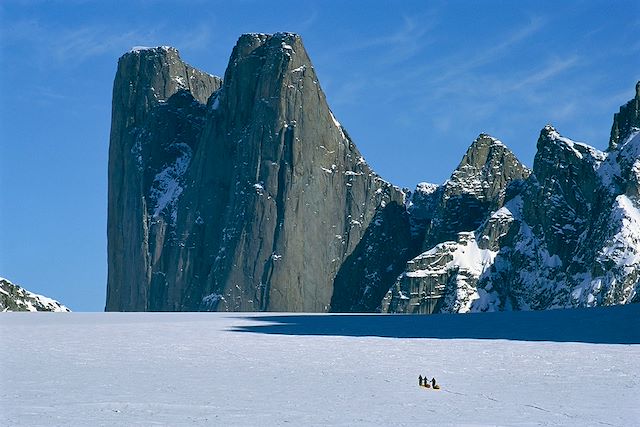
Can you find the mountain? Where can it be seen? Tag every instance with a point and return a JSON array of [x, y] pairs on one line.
[[566, 236], [432, 214], [624, 121], [243, 194], [246, 194], [15, 298]]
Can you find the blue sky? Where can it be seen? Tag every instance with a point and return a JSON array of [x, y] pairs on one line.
[[413, 82]]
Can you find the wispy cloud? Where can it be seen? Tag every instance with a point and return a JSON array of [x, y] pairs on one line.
[[73, 46], [461, 72], [81, 44], [485, 76], [459, 64], [308, 22], [348, 92], [387, 52], [397, 45], [549, 71]]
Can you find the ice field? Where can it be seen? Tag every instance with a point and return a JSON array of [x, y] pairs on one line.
[[565, 367]]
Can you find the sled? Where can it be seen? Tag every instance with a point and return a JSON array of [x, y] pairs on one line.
[[436, 387]]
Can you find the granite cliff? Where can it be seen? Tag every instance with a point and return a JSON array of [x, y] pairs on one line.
[[238, 194]]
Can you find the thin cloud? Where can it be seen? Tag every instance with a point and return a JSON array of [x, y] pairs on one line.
[[49, 94], [74, 46], [457, 73], [79, 45], [490, 89], [549, 71], [196, 39], [308, 22], [398, 45], [393, 48], [463, 64]]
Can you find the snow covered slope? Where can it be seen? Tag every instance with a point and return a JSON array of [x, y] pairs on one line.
[[15, 298], [560, 367], [567, 236]]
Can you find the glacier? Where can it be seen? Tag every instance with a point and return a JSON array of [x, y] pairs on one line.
[[570, 367]]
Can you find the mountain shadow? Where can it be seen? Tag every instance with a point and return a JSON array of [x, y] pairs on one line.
[[600, 325]]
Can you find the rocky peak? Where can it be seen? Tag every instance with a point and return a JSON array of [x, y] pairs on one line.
[[564, 190], [567, 237], [158, 113], [561, 163], [16, 298], [481, 149], [223, 222], [248, 195], [551, 142], [262, 70], [626, 121], [446, 217], [477, 187], [150, 75], [294, 168], [486, 168]]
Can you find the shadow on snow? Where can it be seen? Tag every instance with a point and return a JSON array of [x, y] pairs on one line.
[[602, 325]]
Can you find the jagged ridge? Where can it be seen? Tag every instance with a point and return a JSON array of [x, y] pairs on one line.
[[16, 298], [566, 236]]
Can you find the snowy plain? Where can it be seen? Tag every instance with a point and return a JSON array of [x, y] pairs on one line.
[[563, 367]]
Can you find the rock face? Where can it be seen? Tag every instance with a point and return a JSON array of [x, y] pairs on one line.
[[15, 298], [488, 172], [476, 188], [566, 236], [627, 119], [251, 203], [381, 254], [159, 110], [246, 194]]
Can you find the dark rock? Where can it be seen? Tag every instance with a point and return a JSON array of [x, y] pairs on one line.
[[16, 298], [157, 117], [443, 215], [476, 188], [566, 236], [274, 198], [625, 121], [365, 276]]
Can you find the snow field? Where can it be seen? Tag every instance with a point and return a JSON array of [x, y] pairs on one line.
[[178, 369]]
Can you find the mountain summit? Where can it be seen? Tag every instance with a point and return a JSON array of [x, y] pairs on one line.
[[247, 194]]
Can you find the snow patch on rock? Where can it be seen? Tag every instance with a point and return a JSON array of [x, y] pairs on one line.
[[16, 298], [167, 184], [338, 125]]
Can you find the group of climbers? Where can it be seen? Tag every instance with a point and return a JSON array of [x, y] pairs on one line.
[[424, 382]]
